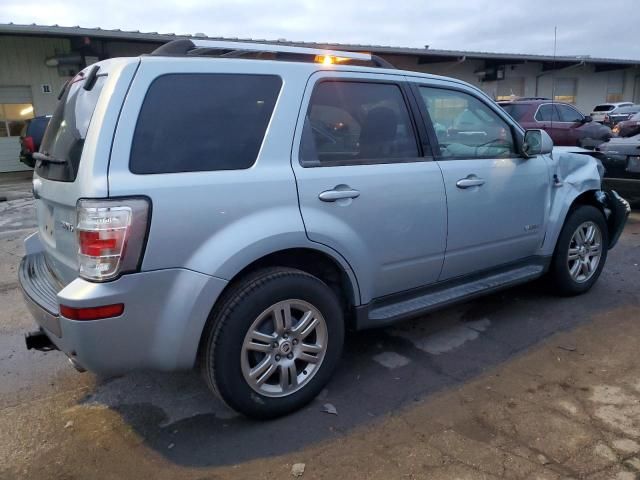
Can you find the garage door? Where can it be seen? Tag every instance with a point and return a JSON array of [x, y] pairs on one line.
[[16, 106]]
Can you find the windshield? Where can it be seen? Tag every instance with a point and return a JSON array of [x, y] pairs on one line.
[[65, 135]]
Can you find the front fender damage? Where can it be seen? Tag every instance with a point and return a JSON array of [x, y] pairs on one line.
[[579, 172]]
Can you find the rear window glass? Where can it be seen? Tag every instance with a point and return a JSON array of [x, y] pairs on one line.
[[203, 122], [516, 110], [67, 130], [603, 108]]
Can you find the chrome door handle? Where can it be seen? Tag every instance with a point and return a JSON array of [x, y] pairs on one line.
[[469, 182], [333, 195]]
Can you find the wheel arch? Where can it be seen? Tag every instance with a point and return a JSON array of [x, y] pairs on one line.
[[331, 269], [603, 201]]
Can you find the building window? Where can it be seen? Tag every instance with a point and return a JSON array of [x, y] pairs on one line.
[[564, 90], [510, 89], [615, 86], [13, 117]]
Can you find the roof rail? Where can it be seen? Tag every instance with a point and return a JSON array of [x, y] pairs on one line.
[[184, 47]]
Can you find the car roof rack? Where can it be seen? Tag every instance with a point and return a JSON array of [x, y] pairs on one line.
[[232, 49]]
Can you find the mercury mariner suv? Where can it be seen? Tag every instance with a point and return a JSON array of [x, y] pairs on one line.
[[236, 206]]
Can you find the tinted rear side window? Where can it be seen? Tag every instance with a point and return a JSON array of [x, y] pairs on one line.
[[603, 108], [203, 122]]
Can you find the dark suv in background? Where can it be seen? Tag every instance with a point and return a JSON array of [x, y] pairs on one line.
[[31, 137], [565, 124]]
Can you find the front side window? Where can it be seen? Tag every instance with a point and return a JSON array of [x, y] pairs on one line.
[[465, 126], [203, 122], [357, 123], [568, 114]]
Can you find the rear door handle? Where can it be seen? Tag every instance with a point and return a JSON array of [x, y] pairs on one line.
[[333, 195], [470, 181]]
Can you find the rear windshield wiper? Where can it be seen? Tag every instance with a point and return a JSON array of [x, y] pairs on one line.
[[43, 157]]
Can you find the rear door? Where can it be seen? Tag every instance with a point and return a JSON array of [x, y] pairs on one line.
[[76, 146], [368, 187], [497, 200]]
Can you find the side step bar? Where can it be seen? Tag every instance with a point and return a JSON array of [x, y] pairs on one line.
[[38, 340], [444, 295]]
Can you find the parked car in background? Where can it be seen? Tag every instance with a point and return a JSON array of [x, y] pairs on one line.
[[600, 112], [621, 160], [621, 114], [628, 128], [566, 125], [31, 137]]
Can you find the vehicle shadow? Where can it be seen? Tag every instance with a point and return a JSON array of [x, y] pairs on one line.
[[381, 371]]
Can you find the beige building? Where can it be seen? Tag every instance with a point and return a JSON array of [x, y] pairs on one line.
[[35, 62]]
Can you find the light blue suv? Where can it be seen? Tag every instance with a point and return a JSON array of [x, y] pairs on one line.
[[237, 206]]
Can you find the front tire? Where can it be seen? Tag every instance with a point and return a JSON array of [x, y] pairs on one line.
[[581, 251], [273, 343]]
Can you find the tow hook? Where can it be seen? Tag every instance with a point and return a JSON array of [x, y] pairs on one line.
[[38, 340]]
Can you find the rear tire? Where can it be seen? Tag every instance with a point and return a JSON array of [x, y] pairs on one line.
[[273, 343], [581, 251]]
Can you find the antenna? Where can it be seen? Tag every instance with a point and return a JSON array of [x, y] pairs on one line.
[[553, 74]]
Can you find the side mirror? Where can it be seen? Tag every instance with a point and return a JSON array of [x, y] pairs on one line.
[[587, 119], [536, 142]]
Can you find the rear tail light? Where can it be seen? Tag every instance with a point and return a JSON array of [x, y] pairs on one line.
[[111, 236], [29, 144]]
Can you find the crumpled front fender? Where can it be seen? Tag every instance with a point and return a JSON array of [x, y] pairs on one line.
[[577, 177]]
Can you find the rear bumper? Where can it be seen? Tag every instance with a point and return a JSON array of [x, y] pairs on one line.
[[165, 313]]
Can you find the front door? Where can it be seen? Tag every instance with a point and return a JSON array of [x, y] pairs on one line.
[[497, 200], [570, 122], [365, 186]]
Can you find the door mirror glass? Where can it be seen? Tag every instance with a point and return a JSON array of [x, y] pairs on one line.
[[536, 142]]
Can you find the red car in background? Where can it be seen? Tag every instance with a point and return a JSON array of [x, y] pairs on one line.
[[565, 124]]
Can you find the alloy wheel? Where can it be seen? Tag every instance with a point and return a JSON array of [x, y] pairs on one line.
[[585, 251], [284, 348]]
